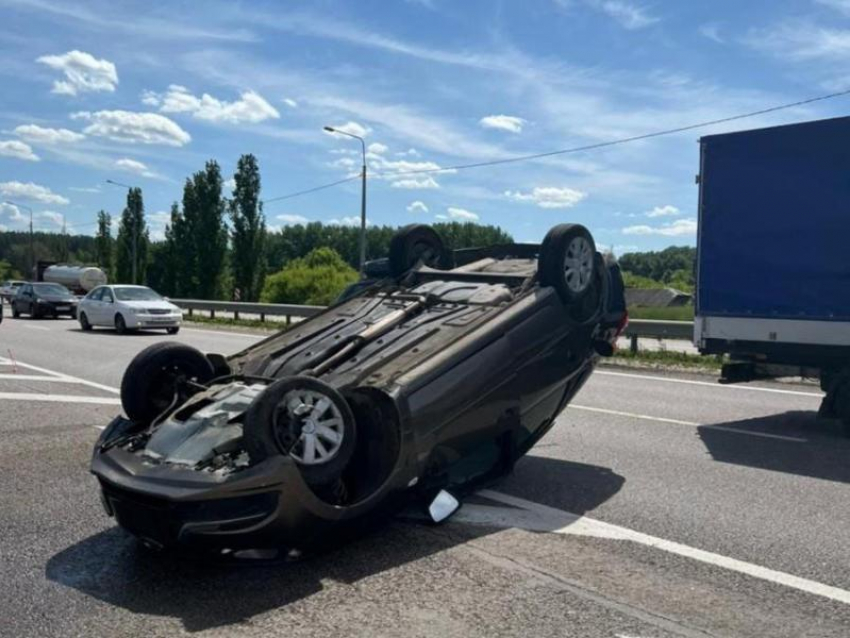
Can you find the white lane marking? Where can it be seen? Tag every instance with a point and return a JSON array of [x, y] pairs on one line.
[[57, 398], [537, 517], [91, 384], [227, 333], [647, 417], [753, 388], [34, 377]]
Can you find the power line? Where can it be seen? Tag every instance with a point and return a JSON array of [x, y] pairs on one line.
[[624, 140], [575, 149], [311, 190]]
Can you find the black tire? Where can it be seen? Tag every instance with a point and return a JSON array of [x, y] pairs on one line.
[[412, 244], [569, 241], [120, 325], [16, 314], [35, 313], [173, 331], [842, 401], [152, 379], [84, 322], [270, 429]]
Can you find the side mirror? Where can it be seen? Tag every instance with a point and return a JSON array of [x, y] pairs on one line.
[[443, 506]]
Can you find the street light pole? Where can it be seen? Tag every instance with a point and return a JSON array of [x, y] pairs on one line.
[[134, 229], [32, 239], [331, 129]]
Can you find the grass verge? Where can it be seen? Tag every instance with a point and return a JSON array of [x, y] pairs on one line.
[[267, 326], [668, 359]]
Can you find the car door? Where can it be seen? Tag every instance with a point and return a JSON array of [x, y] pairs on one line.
[[91, 306], [107, 308]]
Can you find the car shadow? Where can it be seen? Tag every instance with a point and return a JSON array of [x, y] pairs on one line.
[[206, 593], [813, 446]]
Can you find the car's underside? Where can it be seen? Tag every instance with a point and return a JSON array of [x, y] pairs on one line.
[[431, 378]]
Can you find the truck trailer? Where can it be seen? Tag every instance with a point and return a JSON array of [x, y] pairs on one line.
[[773, 255]]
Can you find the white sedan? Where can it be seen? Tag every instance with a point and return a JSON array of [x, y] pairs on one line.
[[128, 308]]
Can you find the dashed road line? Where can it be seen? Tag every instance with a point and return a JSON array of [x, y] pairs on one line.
[[61, 375], [57, 398], [524, 514], [752, 388], [646, 417], [35, 377]]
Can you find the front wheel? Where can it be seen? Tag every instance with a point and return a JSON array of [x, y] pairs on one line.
[[307, 420], [155, 379], [173, 331], [16, 314], [84, 322], [120, 325]]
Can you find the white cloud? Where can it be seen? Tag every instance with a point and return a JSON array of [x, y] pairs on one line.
[[441, 218], [462, 213], [132, 166], [251, 107], [290, 102], [662, 211], [549, 196], [508, 123], [293, 219], [377, 148], [83, 72], [40, 135], [711, 30], [414, 184], [348, 221], [85, 189], [411, 152], [18, 150], [677, 228], [230, 184], [628, 15], [417, 207], [51, 216], [130, 126], [350, 127], [15, 214], [800, 41], [842, 6], [31, 191]]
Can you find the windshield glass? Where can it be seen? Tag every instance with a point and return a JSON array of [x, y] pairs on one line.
[[51, 289], [136, 294]]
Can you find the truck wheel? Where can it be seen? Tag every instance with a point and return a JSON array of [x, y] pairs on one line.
[[153, 379], [412, 244], [306, 419], [568, 262]]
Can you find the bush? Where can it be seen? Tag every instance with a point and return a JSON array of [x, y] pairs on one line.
[[315, 280]]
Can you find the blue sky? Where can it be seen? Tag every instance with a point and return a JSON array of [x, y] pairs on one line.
[[144, 93]]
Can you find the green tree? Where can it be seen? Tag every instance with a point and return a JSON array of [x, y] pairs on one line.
[[317, 279], [103, 243], [133, 240], [203, 210], [249, 230]]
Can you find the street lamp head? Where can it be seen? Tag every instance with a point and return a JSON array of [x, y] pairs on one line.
[[330, 129]]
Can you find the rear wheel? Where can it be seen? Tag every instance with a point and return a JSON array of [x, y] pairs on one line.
[[156, 379], [84, 322], [307, 420], [568, 262], [414, 244]]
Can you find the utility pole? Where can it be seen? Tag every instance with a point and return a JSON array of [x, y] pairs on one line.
[[134, 230], [32, 237], [331, 129]]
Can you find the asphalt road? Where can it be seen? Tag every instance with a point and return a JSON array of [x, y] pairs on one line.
[[658, 506]]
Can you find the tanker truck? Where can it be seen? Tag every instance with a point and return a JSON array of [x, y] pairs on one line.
[[78, 279]]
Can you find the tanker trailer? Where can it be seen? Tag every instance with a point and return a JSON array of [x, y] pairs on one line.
[[78, 279]]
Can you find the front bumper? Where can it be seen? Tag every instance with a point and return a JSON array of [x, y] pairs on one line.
[[267, 505], [153, 321]]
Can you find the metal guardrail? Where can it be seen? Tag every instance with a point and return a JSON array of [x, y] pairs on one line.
[[237, 307], [657, 329], [637, 328]]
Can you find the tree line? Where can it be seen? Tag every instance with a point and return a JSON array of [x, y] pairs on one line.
[[219, 247]]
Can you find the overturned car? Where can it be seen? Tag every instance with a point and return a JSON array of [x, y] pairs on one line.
[[428, 382]]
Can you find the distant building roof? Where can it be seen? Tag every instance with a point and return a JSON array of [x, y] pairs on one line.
[[657, 297]]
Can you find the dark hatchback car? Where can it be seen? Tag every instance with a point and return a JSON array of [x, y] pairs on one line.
[[421, 387], [44, 300]]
